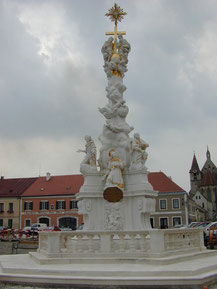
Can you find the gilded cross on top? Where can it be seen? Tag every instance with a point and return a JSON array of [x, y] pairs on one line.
[[116, 14]]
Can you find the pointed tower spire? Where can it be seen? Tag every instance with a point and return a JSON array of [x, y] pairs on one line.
[[194, 166], [208, 156]]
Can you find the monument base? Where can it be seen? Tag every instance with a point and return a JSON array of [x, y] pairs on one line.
[[172, 258], [190, 270], [104, 210]]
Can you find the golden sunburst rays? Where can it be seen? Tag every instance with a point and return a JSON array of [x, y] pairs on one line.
[[116, 14]]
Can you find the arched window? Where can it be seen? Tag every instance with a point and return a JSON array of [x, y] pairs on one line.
[[44, 220], [68, 222]]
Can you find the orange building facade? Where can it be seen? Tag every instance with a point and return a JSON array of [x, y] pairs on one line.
[[51, 200]]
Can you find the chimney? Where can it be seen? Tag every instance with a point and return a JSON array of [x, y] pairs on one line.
[[48, 176], [2, 177]]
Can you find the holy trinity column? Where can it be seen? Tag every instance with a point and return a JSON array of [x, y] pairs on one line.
[[116, 194]]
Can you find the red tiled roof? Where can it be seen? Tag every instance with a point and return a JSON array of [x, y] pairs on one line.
[[56, 185], [208, 179], [70, 185], [14, 187], [162, 183]]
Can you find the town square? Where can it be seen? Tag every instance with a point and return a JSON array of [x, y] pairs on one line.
[[108, 175]]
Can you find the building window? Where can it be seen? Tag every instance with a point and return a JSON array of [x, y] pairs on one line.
[[163, 223], [1, 207], [28, 206], [44, 205], [203, 205], [10, 207], [73, 205], [176, 221], [27, 223], [10, 223], [1, 222], [163, 204], [175, 203], [60, 205]]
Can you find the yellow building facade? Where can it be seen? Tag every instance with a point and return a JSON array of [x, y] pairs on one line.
[[10, 212]]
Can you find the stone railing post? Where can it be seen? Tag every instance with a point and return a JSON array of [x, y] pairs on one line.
[[201, 239], [53, 249], [105, 242], [157, 244]]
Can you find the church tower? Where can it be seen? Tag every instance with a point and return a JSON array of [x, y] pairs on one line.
[[195, 176], [205, 182]]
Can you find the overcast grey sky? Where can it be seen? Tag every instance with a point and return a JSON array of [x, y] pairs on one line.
[[52, 81]]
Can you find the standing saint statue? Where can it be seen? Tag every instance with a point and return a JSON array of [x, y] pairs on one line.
[[113, 175], [89, 162], [139, 155]]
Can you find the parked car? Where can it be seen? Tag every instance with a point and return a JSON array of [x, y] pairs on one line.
[[203, 224], [193, 224], [212, 226], [38, 226], [26, 229]]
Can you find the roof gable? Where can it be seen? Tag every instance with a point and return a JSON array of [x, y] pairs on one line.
[[162, 183]]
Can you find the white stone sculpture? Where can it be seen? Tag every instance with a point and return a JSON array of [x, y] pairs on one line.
[[116, 130], [113, 174], [115, 63], [123, 48], [107, 49], [125, 188], [88, 164], [113, 220], [139, 154]]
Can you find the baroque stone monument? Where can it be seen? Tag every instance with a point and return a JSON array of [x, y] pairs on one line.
[[117, 246], [116, 194]]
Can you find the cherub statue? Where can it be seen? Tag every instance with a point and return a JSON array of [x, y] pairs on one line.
[[89, 162], [139, 155], [107, 49], [123, 48], [113, 175]]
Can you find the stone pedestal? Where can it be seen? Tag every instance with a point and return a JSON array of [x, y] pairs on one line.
[[132, 212]]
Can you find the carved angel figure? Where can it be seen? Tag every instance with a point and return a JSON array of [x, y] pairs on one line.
[[123, 48], [139, 155], [89, 162], [113, 175], [107, 49]]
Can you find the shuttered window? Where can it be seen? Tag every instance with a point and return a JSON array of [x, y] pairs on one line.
[[28, 206], [44, 205], [60, 205], [73, 204]]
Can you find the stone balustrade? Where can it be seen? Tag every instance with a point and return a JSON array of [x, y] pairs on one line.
[[153, 243]]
